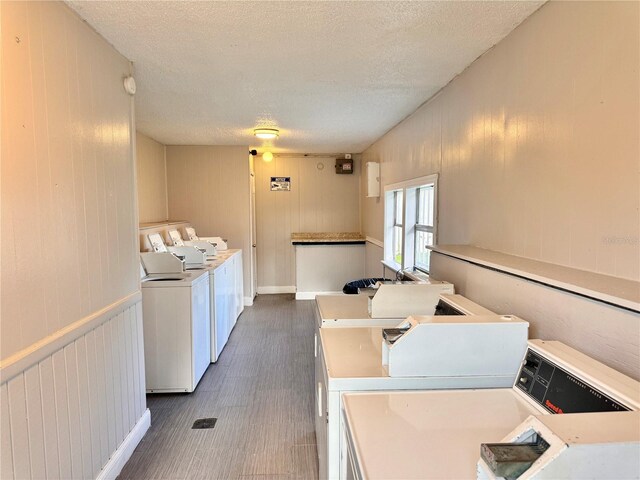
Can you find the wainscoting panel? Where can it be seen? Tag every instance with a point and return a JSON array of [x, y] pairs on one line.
[[66, 415]]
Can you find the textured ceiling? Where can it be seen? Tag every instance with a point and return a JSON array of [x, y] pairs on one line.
[[332, 76]]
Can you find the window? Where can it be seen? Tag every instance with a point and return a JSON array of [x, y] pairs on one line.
[[398, 232], [425, 226], [410, 223]]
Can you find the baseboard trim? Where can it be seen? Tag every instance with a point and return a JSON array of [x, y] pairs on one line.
[[272, 290], [248, 301], [312, 295], [123, 453]]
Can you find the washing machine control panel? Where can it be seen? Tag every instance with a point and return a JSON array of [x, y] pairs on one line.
[[559, 391]]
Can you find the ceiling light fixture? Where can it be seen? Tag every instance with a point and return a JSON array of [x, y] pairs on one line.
[[266, 133], [267, 156]]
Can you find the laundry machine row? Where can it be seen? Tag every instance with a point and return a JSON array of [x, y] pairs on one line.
[[211, 310], [457, 354], [348, 351]]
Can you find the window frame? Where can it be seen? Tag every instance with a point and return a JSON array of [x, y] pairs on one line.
[[410, 221], [424, 227], [398, 223]]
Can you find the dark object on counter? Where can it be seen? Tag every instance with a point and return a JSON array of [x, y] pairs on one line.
[[443, 308], [510, 460], [351, 288], [390, 335]]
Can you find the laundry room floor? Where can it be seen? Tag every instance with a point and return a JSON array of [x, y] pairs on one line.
[[261, 393]]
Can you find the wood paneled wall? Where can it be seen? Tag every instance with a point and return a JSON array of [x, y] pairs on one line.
[[536, 143], [609, 334], [64, 416], [209, 186], [71, 360], [152, 180], [69, 225], [537, 146], [373, 257], [319, 201]]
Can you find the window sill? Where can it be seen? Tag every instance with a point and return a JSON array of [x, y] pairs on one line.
[[615, 291], [393, 266], [416, 275]]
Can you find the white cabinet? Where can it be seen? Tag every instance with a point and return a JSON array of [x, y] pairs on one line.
[[372, 174]]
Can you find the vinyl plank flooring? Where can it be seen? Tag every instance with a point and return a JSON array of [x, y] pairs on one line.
[[261, 393], [264, 477], [221, 463], [305, 462], [237, 391], [277, 462]]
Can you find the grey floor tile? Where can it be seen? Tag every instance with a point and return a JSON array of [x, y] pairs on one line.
[[261, 393], [305, 462]]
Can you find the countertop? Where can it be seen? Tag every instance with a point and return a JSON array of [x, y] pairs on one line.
[[328, 238]]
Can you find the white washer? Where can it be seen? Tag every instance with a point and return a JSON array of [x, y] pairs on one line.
[[351, 359], [438, 434], [352, 310], [177, 338], [343, 311]]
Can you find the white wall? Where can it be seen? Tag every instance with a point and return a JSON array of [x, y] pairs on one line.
[[319, 201], [537, 147], [151, 180], [209, 186], [373, 255], [71, 362]]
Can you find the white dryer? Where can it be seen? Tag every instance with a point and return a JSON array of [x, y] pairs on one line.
[[177, 339], [440, 434]]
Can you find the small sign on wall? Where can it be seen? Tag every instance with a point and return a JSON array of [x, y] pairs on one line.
[[280, 184]]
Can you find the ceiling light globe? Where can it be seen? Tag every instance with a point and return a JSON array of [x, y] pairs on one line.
[[267, 156], [266, 133]]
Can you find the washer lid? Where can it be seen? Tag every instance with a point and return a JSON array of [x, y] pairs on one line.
[[435, 434], [164, 280]]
